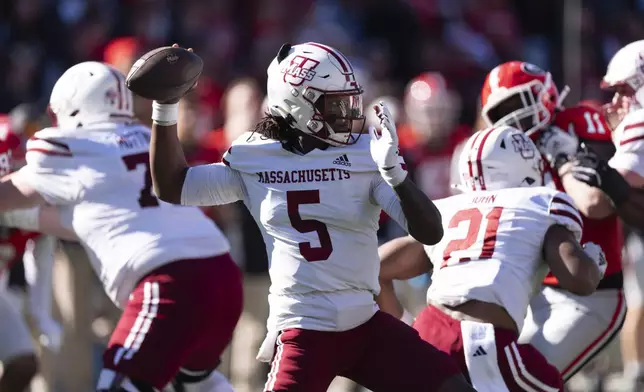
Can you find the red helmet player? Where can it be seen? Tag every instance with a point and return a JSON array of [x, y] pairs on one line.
[[522, 95], [589, 125], [429, 138], [432, 108]]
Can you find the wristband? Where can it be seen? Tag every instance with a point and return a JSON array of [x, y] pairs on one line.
[[394, 175], [165, 114], [407, 318]]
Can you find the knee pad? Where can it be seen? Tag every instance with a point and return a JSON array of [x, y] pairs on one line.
[[201, 381], [111, 381]]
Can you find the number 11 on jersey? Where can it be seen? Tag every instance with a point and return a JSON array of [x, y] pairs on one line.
[[473, 217]]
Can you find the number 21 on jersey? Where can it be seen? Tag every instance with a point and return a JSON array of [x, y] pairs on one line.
[[479, 240]]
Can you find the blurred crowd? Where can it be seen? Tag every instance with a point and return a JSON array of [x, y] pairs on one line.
[[426, 58]]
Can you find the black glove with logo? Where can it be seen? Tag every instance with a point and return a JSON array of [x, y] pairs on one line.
[[590, 169]]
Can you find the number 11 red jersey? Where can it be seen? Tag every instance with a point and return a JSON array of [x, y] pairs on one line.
[[589, 124]]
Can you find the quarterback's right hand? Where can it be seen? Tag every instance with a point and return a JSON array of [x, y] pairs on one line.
[[191, 88], [166, 113], [596, 253], [557, 146]]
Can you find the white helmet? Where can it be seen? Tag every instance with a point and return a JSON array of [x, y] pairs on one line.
[[90, 92], [626, 69], [499, 158], [313, 87]]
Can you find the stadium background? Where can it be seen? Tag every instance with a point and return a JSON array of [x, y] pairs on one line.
[[389, 42]]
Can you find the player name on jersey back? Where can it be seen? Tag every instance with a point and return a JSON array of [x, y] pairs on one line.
[[492, 247]]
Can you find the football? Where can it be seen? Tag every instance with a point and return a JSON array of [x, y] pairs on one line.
[[164, 74]]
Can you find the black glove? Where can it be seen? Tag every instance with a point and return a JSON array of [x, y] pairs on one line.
[[590, 169]]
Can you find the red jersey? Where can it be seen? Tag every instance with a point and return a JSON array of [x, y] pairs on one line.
[[12, 241], [589, 124]]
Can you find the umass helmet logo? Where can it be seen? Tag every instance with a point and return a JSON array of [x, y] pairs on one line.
[[523, 146], [300, 69]]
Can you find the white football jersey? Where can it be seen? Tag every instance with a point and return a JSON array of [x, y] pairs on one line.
[[629, 143], [318, 214], [492, 248], [99, 177]]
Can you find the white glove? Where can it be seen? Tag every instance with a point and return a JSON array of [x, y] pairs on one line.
[[384, 148], [50, 333], [596, 253], [556, 144]]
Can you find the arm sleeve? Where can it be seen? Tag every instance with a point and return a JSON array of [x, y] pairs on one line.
[[384, 196], [52, 171], [562, 211], [214, 184]]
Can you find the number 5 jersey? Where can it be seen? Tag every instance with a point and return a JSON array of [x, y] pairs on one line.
[[492, 248], [318, 214], [99, 177]]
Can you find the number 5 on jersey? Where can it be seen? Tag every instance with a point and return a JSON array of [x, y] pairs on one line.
[[477, 244], [293, 201]]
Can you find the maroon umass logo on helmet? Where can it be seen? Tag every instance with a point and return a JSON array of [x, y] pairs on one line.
[[523, 146], [300, 69]]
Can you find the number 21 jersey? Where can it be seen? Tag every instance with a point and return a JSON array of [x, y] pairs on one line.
[[492, 247], [99, 178]]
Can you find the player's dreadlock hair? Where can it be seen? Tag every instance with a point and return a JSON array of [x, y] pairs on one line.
[[276, 128]]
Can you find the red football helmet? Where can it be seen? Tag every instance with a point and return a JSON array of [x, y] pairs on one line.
[[520, 95], [431, 107]]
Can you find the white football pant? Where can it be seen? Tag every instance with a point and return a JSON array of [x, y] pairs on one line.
[[569, 330]]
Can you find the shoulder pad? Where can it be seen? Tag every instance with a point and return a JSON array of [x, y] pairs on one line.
[[631, 129], [49, 141], [249, 151]]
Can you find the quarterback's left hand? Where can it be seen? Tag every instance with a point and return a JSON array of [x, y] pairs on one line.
[[384, 148], [557, 146]]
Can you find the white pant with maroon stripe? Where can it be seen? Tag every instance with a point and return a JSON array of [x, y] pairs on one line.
[[569, 330]]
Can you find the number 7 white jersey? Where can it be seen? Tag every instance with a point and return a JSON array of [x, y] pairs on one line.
[[492, 247], [99, 177]]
